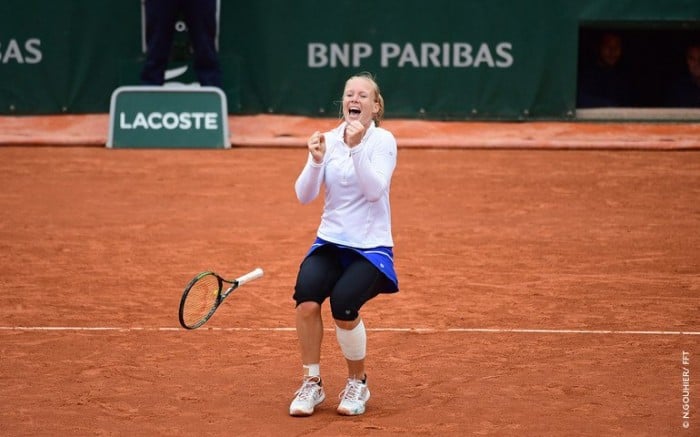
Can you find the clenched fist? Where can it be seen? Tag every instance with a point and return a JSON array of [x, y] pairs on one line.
[[354, 131], [317, 146]]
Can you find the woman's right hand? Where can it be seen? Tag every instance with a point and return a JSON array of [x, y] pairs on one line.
[[317, 146]]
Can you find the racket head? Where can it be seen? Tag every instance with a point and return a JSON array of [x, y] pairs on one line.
[[200, 299]]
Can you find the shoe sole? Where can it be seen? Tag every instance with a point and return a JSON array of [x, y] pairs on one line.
[[344, 412], [302, 413]]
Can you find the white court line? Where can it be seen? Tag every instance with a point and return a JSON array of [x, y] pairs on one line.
[[416, 330]]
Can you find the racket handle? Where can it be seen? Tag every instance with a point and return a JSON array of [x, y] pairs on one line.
[[255, 274]]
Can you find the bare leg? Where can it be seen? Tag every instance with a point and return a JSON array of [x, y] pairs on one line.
[[309, 331]]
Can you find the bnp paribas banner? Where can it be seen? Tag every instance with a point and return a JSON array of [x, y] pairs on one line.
[[444, 59]]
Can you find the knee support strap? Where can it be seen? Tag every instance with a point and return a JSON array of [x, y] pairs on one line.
[[353, 342]]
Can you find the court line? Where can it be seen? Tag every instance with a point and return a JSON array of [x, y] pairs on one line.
[[415, 330]]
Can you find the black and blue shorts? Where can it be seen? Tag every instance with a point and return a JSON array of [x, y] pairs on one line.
[[348, 276]]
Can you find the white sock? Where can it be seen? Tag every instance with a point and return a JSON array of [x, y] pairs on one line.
[[353, 342], [312, 370]]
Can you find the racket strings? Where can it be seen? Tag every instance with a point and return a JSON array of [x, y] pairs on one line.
[[201, 299]]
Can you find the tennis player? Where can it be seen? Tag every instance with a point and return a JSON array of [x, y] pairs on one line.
[[351, 260]]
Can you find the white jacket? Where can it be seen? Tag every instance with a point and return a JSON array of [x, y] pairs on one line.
[[356, 212]]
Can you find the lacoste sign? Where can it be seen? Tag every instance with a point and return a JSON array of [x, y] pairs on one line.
[[168, 117]]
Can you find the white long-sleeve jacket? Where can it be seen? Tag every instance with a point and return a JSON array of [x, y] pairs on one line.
[[356, 212]]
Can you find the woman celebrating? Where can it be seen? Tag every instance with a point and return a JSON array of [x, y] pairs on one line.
[[351, 260]]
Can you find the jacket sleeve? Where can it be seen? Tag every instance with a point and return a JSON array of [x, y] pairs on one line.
[[308, 184], [375, 161]]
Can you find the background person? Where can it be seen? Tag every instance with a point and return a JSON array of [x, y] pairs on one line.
[[201, 19], [351, 260], [604, 83], [684, 91]]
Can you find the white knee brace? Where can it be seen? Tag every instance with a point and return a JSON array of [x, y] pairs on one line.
[[353, 342]]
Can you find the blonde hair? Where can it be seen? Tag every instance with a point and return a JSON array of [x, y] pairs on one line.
[[379, 116]]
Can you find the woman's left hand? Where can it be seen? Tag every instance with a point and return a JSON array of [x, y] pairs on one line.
[[354, 131]]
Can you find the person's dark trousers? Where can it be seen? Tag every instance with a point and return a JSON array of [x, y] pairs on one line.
[[200, 17]]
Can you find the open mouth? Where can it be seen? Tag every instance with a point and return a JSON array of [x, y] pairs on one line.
[[354, 111]]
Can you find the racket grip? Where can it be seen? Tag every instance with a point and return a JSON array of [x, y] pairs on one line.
[[255, 274]]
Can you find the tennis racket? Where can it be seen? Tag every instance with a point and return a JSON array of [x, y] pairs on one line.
[[204, 294]]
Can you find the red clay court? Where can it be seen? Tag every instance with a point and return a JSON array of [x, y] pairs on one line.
[[549, 272]]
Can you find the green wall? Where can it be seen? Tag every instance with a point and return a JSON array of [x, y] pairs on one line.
[[444, 59]]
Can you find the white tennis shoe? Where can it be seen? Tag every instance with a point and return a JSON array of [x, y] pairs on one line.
[[307, 397], [353, 398]]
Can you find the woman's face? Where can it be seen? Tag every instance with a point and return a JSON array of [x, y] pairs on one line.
[[359, 101], [610, 50]]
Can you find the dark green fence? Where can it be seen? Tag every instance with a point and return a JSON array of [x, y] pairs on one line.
[[443, 59]]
